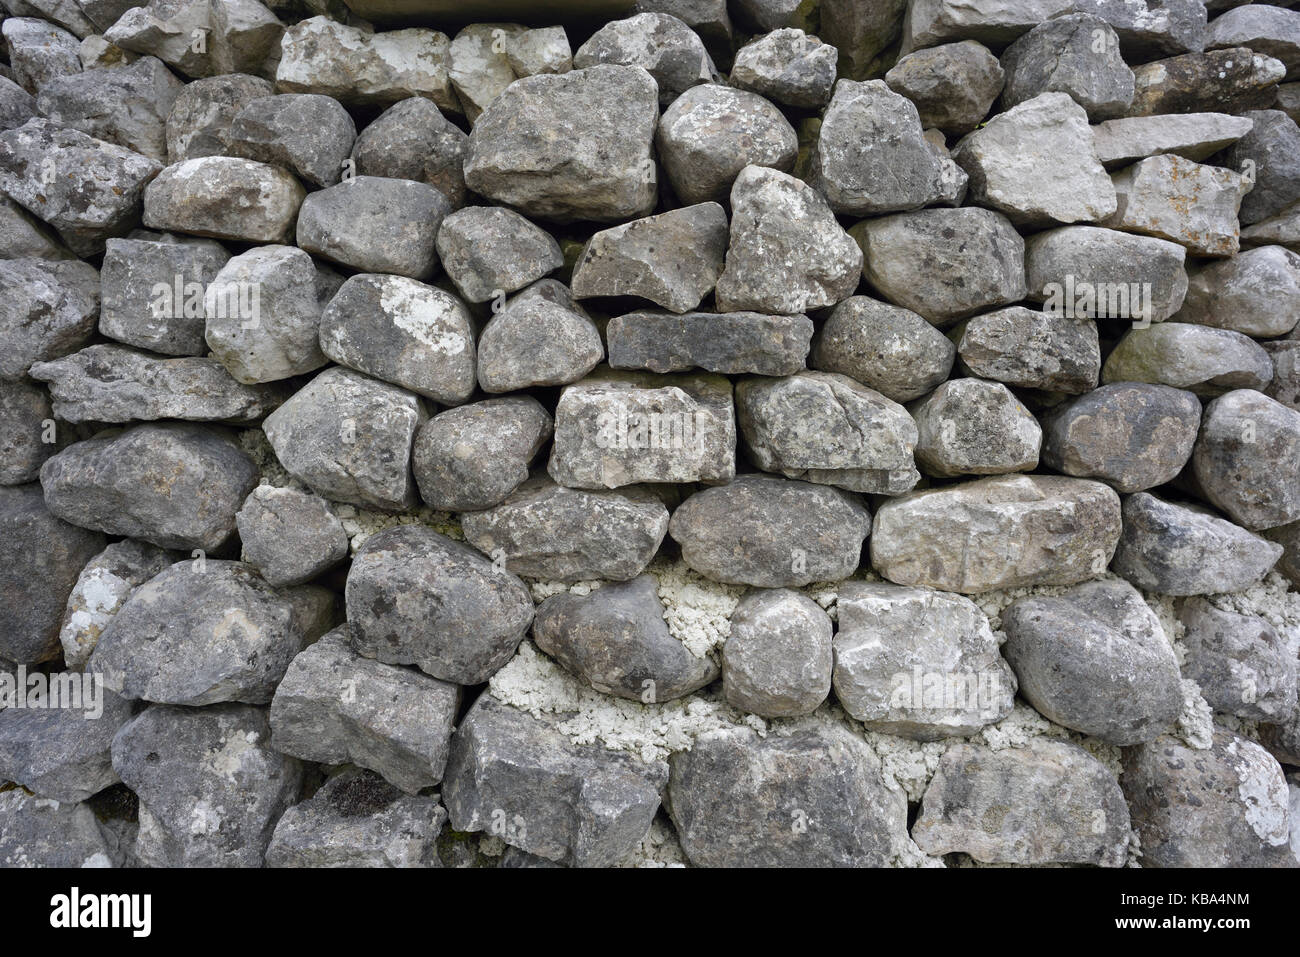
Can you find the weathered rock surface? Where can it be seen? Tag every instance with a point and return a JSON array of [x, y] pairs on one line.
[[1188, 356], [226, 198], [62, 753], [1220, 81], [47, 310], [413, 140], [540, 337], [204, 110], [1188, 203], [289, 536], [1077, 54], [1032, 350], [1244, 438], [488, 252], [731, 343], [1193, 136], [663, 45], [1243, 666], [1256, 293], [26, 417], [974, 427], [37, 832], [308, 133], [777, 661], [787, 66], [953, 85], [886, 348], [1271, 151]]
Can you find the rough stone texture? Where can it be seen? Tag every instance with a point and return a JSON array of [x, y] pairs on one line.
[[1032, 350], [1193, 136], [953, 85], [37, 832], [1036, 163], [348, 437], [417, 597], [17, 106], [210, 787], [1077, 54], [663, 45], [239, 35], [643, 258], [728, 342], [1271, 150], [1049, 802], [474, 456], [540, 337], [1264, 29], [526, 783], [1285, 387], [39, 52], [308, 133], [546, 531], [596, 161], [1175, 199], [814, 799], [1176, 550], [930, 22], [770, 532], [226, 198], [1002, 532], [403, 332], [887, 348], [480, 68], [944, 264], [1256, 293], [289, 536], [787, 66], [1151, 28], [918, 663], [47, 310], [25, 418], [1221, 81], [1133, 436], [1245, 437], [826, 428], [777, 661], [413, 140], [1283, 741], [1243, 666], [26, 237], [616, 639], [488, 251], [1225, 807], [208, 631], [63, 753], [787, 252], [172, 484], [620, 428], [1095, 660], [974, 427], [204, 110], [335, 707], [104, 585], [1184, 355]]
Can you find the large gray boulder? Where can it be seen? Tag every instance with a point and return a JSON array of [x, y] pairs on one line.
[[1242, 458], [488, 252], [540, 337], [289, 536], [412, 139], [663, 45], [309, 134], [1200, 359], [1241, 663], [204, 109], [226, 198], [103, 587], [974, 427], [787, 66], [1077, 54], [952, 85], [1256, 293], [1031, 350]]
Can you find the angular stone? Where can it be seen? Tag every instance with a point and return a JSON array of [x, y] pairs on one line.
[[210, 787], [1049, 802], [17, 106], [1131, 435], [863, 33], [1184, 355], [47, 310], [708, 18], [1225, 807], [1036, 163], [357, 819], [1151, 28], [23, 236], [815, 798], [403, 332], [474, 456], [173, 484], [1033, 350], [1088, 271], [596, 161], [225, 198], [308, 133], [644, 258], [348, 437], [1256, 293], [787, 66], [765, 15], [1193, 136], [974, 427], [1245, 437], [357, 67], [1095, 660], [336, 707], [416, 597], [1270, 154], [826, 428], [102, 588], [204, 110], [263, 313], [1176, 550], [887, 348], [1077, 54], [930, 22], [732, 343], [995, 533], [1222, 81], [871, 158], [547, 531], [375, 224], [524, 781], [1263, 28], [289, 536], [37, 832], [239, 35], [86, 189], [788, 254], [617, 641], [488, 251], [127, 106], [620, 428], [944, 263], [953, 85], [25, 417], [777, 661], [39, 52], [664, 46], [771, 533], [1175, 199], [413, 140], [480, 68], [546, 49], [1285, 387], [541, 337], [1242, 665], [917, 663]]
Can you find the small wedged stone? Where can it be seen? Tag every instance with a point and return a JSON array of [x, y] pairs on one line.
[[930, 22], [1243, 455], [226, 198], [663, 45], [1218, 81], [731, 343], [1285, 387], [308, 133], [488, 251], [47, 310], [778, 659], [887, 348], [540, 337], [1176, 550], [996, 533], [771, 532], [1256, 293], [1193, 136], [289, 536], [23, 236], [413, 140], [1032, 350], [787, 66], [974, 427], [1185, 355], [174, 484], [952, 85], [17, 106], [1242, 665], [480, 68], [103, 586], [37, 832]]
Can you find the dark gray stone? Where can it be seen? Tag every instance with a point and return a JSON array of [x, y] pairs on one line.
[[953, 85], [1032, 350], [664, 46], [62, 752], [308, 133], [777, 661], [1243, 666], [1220, 81], [413, 140], [787, 66], [26, 417], [886, 348], [488, 251], [1244, 437], [1077, 54], [47, 310], [204, 110], [731, 343], [289, 536], [540, 337]]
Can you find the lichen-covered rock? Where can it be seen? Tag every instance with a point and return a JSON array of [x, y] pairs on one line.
[[413, 140], [480, 68], [540, 337], [175, 485], [47, 310], [26, 417], [787, 66], [1032, 350], [203, 111], [887, 348], [731, 343], [1176, 550], [1242, 665], [543, 530], [816, 798], [39, 52], [1193, 136], [777, 661], [335, 706], [1151, 28], [348, 437], [1096, 660], [974, 427], [1261, 27], [104, 585], [417, 597], [488, 251], [1049, 802], [62, 753], [238, 35], [1225, 807], [1242, 458], [771, 532], [38, 832], [308, 133], [289, 536], [226, 198], [1220, 81], [930, 22], [1189, 203], [1256, 293], [918, 663], [1002, 532], [663, 45], [952, 85], [1188, 356], [1077, 54]]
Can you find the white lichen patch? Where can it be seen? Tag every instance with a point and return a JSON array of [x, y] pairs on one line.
[[1263, 792]]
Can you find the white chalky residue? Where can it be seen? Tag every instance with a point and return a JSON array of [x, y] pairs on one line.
[[360, 523], [698, 611], [542, 589], [1195, 725], [659, 848], [1271, 599]]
